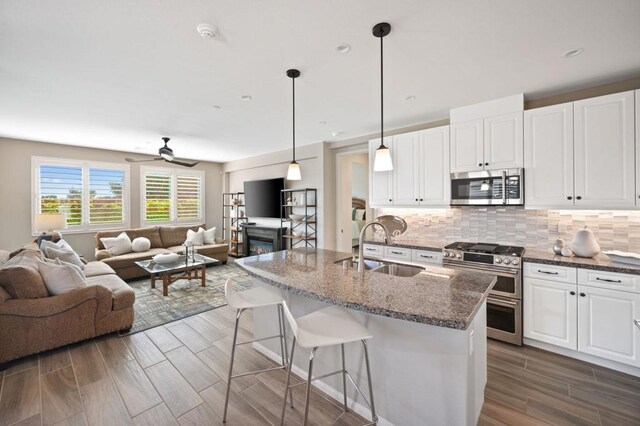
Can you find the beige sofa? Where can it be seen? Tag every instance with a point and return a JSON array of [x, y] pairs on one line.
[[164, 239], [32, 321]]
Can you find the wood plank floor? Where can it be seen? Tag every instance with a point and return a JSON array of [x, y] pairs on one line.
[[176, 375]]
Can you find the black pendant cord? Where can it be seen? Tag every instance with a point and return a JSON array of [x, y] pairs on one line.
[[293, 82], [381, 93]]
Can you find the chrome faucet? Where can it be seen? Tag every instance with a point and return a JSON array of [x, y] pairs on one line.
[[387, 240]]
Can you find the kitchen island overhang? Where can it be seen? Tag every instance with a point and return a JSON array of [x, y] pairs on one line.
[[428, 353]]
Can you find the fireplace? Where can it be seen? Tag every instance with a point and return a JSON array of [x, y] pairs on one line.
[[261, 239]]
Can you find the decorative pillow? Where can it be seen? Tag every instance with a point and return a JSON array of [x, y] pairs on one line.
[[66, 256], [59, 245], [140, 244], [360, 214], [353, 213], [60, 278], [118, 245], [209, 235], [197, 238], [57, 261]]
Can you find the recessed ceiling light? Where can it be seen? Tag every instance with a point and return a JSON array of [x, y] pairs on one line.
[[343, 48], [246, 97], [206, 30], [322, 123], [410, 98], [573, 52], [216, 107]]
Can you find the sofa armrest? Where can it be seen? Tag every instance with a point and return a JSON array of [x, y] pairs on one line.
[[103, 254], [54, 305]]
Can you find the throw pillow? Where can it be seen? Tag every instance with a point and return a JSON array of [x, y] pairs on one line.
[[140, 244], [209, 235], [61, 278], [66, 256], [59, 245], [117, 245], [62, 262], [197, 238]]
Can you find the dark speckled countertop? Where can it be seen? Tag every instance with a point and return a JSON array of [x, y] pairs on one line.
[[438, 296]]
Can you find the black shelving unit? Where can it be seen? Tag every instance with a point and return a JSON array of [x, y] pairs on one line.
[[233, 216], [302, 231]]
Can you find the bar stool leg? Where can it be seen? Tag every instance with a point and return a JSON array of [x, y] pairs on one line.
[[309, 380], [344, 379], [283, 345], [286, 386], [233, 354], [374, 417]]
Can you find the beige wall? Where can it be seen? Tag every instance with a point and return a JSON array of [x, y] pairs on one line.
[[15, 189]]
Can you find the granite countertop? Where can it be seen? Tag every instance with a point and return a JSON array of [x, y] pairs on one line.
[[599, 263], [438, 296]]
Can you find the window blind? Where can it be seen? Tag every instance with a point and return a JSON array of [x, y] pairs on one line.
[[106, 188], [188, 197], [157, 194], [60, 190]]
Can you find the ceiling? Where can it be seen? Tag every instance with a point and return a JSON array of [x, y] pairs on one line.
[[121, 74]]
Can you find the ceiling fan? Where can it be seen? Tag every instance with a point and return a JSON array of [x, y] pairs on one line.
[[165, 153]]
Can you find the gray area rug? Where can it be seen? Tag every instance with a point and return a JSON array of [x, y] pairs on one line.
[[186, 297]]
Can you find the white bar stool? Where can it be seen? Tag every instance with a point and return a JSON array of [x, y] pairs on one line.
[[256, 297], [328, 327]]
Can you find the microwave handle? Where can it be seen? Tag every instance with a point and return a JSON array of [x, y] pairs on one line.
[[504, 187]]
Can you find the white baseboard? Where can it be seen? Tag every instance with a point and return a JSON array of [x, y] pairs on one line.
[[323, 387], [624, 368]]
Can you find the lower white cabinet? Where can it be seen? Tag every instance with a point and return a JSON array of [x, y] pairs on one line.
[[606, 329], [550, 312]]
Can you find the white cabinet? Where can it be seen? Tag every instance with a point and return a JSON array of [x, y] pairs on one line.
[[467, 146], [426, 256], [605, 151], [606, 328], [434, 180], [638, 147], [399, 254], [550, 312], [406, 169], [548, 156], [372, 250], [380, 183]]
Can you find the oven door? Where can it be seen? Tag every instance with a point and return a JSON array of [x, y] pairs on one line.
[[504, 320], [497, 187], [508, 283]]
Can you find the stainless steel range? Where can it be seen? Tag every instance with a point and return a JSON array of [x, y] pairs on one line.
[[504, 304]]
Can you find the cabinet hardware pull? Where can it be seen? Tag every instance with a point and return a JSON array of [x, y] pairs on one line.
[[390, 199], [370, 249], [578, 198], [636, 322], [569, 197], [396, 252], [582, 295], [573, 293], [547, 272], [421, 199], [480, 164], [486, 164], [608, 280], [416, 199], [426, 257]]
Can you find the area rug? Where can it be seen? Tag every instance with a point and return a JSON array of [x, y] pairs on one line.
[[186, 297]]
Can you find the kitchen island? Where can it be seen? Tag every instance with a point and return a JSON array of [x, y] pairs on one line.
[[428, 353]]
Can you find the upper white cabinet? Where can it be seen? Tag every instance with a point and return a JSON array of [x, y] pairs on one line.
[[548, 156], [605, 151], [467, 146], [638, 147], [420, 175]]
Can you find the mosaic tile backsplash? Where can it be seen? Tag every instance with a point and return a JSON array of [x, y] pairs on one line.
[[534, 229]]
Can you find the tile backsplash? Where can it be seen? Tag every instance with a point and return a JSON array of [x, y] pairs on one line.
[[535, 229]]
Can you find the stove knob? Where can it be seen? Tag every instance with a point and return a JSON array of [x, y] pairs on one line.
[[507, 261], [498, 260], [459, 256], [514, 262], [445, 254]]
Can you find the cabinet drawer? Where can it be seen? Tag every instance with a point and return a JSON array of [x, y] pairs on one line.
[[426, 256], [609, 280], [397, 253], [372, 250], [550, 272]]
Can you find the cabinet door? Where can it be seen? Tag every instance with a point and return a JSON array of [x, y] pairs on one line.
[[379, 182], [548, 156], [638, 147], [503, 142], [406, 174], [435, 181], [605, 151], [605, 324], [550, 312], [466, 146]]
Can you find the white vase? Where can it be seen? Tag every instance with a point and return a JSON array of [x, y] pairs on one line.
[[584, 243]]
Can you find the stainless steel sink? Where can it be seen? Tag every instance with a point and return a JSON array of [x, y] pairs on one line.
[[399, 270], [353, 264]]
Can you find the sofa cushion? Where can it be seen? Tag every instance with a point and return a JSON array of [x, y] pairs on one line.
[[125, 260], [153, 234], [123, 296], [4, 296], [65, 256], [61, 278], [20, 278], [176, 235], [32, 247], [93, 269]]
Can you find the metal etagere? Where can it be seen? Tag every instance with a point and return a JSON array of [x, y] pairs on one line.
[[233, 216], [300, 217]]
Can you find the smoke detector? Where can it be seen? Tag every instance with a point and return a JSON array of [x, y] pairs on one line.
[[206, 30]]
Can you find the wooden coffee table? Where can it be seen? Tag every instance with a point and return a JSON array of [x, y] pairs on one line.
[[188, 270]]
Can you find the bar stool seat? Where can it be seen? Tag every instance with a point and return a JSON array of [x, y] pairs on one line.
[[257, 297], [328, 327]]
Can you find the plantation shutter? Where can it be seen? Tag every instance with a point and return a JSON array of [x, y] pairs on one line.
[[106, 188], [60, 191], [157, 197], [188, 198]]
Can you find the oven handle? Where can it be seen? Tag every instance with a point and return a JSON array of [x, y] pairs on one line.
[[503, 272], [504, 187], [502, 302]]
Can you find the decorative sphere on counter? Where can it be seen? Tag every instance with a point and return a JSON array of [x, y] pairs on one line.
[[584, 244]]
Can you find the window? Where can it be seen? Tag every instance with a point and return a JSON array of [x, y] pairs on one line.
[[172, 196], [93, 195]]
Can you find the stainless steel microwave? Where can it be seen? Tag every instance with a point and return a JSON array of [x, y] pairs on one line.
[[488, 188]]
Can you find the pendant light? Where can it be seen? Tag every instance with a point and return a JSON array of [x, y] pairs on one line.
[[294, 167], [382, 162]]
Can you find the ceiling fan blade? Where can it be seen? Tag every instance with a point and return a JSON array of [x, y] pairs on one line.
[[133, 160], [184, 163]]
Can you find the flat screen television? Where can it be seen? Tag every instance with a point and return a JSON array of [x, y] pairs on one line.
[[262, 198]]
